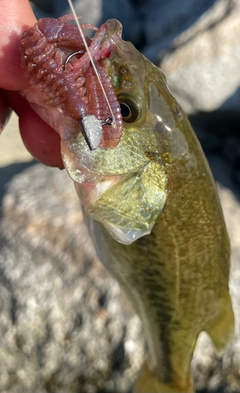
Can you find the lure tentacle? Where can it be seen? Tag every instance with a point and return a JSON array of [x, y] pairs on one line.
[[71, 85]]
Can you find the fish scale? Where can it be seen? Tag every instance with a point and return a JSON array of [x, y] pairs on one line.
[[152, 209]]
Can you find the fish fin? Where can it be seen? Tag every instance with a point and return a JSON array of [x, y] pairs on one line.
[[222, 328], [148, 382]]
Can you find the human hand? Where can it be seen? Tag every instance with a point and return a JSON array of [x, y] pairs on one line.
[[40, 139]]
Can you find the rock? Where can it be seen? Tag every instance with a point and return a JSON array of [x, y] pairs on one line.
[[61, 324], [164, 21], [202, 63]]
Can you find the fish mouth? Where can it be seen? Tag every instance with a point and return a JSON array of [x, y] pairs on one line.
[[113, 183], [101, 119], [119, 223], [93, 126]]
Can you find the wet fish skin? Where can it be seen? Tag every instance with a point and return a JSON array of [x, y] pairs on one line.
[[176, 277], [177, 280]]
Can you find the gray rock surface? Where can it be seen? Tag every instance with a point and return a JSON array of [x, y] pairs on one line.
[[61, 325], [202, 65]]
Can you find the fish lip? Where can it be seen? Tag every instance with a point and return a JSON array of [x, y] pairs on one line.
[[113, 26], [111, 31]]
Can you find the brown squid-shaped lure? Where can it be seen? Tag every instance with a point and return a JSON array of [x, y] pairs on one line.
[[72, 86]]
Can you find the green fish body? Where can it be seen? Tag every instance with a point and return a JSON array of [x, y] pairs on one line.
[[177, 276], [153, 211]]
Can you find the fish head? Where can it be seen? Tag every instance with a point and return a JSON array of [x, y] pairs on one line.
[[125, 187]]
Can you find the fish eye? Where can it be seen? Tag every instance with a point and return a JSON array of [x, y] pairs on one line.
[[129, 109]]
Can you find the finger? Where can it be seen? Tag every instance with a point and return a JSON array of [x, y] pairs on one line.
[[16, 16], [40, 139]]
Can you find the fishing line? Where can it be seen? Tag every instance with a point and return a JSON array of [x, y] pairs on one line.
[[113, 123]]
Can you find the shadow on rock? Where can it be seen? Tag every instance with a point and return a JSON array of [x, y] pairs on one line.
[[219, 134], [8, 172]]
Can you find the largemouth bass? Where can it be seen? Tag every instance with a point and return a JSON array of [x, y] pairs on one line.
[[151, 203]]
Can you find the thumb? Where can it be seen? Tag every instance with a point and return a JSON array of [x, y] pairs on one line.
[[16, 16]]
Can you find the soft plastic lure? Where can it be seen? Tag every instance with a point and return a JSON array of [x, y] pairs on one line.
[[62, 76]]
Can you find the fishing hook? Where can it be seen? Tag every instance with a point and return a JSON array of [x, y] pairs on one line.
[[107, 122], [70, 56]]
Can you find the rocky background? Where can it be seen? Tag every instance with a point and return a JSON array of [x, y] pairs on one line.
[[65, 327]]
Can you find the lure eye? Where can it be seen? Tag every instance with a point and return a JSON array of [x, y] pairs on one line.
[[129, 109]]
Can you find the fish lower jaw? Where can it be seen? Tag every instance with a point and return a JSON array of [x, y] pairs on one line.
[[127, 236], [90, 190]]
